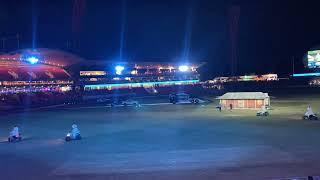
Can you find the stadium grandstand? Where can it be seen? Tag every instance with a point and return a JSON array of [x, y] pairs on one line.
[[137, 78], [47, 76], [38, 75]]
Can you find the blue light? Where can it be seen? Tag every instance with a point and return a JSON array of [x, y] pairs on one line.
[[119, 70], [101, 86], [306, 74], [32, 60], [183, 68]]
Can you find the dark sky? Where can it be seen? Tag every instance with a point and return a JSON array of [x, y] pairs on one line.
[[270, 32]]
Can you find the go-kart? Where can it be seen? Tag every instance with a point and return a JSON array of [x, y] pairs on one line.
[[263, 113], [14, 138], [69, 137], [310, 117]]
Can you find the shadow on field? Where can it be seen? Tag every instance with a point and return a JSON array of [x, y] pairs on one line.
[[15, 167], [4, 140]]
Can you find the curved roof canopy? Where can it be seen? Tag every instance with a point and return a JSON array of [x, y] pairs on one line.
[[46, 56]]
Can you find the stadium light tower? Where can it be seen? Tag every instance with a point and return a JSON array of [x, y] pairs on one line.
[[119, 69], [183, 68], [32, 60]]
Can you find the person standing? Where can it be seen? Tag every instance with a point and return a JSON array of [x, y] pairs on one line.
[[219, 107]]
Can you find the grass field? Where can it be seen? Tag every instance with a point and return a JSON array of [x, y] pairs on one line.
[[164, 142]]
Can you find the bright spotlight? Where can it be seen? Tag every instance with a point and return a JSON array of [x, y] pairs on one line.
[[119, 70], [32, 60], [183, 68]]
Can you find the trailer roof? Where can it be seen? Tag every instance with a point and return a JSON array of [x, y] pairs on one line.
[[244, 95]]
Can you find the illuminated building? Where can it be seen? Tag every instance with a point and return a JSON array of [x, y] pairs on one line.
[[43, 70], [132, 75], [244, 100], [264, 77], [37, 70]]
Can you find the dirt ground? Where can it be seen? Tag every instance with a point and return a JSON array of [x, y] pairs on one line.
[[163, 142]]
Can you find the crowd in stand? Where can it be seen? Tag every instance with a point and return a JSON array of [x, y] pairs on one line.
[[35, 99], [154, 91], [38, 99]]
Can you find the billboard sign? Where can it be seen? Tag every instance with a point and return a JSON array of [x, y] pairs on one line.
[[314, 59]]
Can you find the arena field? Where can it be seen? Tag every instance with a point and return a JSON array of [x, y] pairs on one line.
[[163, 141]]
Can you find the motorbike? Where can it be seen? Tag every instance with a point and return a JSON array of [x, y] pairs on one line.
[[265, 113], [69, 137]]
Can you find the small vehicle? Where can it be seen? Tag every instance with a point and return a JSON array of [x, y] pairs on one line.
[[219, 107], [14, 139], [310, 117], [103, 100], [130, 102], [69, 137], [195, 100], [183, 98], [263, 113]]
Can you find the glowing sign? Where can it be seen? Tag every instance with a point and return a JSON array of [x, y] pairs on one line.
[[314, 59], [93, 73], [142, 84], [306, 74], [65, 88]]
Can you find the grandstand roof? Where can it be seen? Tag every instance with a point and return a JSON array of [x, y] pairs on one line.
[[48, 56], [50, 67], [141, 65], [22, 71]]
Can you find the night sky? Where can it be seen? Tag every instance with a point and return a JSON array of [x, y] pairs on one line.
[[270, 33]]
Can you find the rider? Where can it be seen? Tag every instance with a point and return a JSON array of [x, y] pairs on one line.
[[309, 112], [75, 131], [15, 132]]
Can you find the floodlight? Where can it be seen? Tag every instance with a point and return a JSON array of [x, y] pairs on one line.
[[119, 69], [183, 68], [32, 60]]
